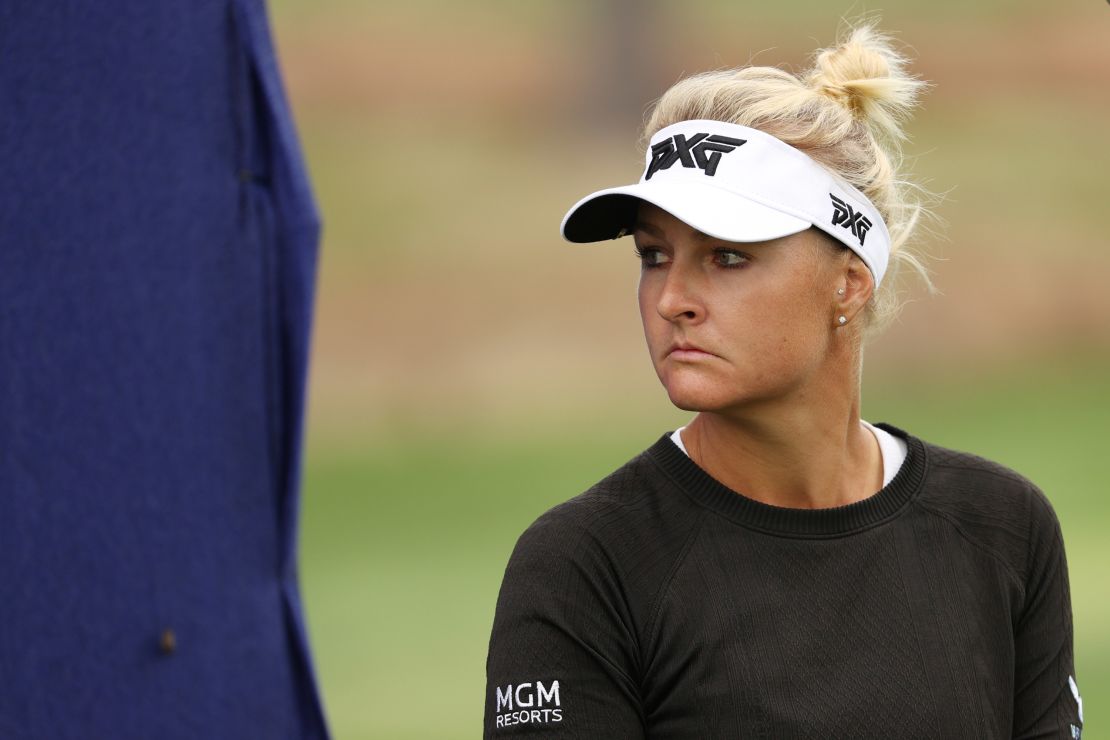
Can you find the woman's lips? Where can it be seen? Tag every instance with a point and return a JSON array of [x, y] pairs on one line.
[[688, 353]]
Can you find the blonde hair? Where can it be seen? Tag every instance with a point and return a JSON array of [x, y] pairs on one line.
[[846, 113]]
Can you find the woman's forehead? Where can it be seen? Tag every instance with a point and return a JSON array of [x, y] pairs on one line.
[[661, 224], [653, 220]]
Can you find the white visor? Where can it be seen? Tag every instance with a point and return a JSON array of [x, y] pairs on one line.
[[737, 184]]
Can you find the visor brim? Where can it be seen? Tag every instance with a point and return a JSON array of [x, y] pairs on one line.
[[714, 211]]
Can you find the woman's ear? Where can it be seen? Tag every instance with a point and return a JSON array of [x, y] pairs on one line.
[[856, 285]]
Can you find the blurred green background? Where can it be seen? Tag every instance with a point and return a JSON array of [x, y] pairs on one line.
[[470, 370]]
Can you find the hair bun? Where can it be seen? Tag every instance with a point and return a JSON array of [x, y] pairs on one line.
[[865, 74]]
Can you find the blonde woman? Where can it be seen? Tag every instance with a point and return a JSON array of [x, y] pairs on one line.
[[780, 568]]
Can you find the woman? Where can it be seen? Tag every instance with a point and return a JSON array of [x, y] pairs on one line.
[[779, 568]]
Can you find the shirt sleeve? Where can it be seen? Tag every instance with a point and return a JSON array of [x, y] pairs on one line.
[[562, 655], [1046, 697]]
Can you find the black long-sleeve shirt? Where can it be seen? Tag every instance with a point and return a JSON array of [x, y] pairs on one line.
[[661, 604]]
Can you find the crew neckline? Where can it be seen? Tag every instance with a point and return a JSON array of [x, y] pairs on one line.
[[832, 522]]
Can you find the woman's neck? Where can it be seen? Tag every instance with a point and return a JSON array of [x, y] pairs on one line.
[[805, 457]]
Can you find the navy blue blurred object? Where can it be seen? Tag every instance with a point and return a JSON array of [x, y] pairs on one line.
[[157, 258]]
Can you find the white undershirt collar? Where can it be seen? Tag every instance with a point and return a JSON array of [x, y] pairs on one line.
[[892, 448]]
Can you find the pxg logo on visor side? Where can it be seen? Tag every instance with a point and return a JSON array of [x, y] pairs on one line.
[[848, 217], [700, 150]]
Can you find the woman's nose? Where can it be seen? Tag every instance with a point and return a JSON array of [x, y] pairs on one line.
[[678, 299]]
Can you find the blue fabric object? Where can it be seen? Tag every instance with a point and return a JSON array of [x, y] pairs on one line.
[[157, 258]]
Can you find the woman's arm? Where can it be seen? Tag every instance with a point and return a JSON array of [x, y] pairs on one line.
[[562, 655], [1046, 697]]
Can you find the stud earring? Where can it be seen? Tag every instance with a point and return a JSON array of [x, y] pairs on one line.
[[840, 291], [843, 320]]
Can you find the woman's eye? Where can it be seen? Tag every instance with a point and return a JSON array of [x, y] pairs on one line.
[[728, 258], [650, 257]]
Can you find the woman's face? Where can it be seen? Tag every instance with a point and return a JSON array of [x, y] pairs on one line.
[[761, 314]]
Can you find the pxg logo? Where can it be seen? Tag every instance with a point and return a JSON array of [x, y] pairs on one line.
[[700, 150], [846, 216]]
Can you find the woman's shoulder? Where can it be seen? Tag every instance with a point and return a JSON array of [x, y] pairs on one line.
[[616, 517], [970, 466], [991, 504], [969, 480]]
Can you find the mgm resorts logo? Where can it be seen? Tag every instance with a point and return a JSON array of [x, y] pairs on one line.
[[700, 150], [846, 216], [528, 703]]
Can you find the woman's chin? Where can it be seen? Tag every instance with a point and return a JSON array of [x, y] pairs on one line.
[[697, 396]]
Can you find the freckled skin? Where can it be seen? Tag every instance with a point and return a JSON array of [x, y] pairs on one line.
[[766, 322]]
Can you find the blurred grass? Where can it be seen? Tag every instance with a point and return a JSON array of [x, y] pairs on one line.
[[404, 544]]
